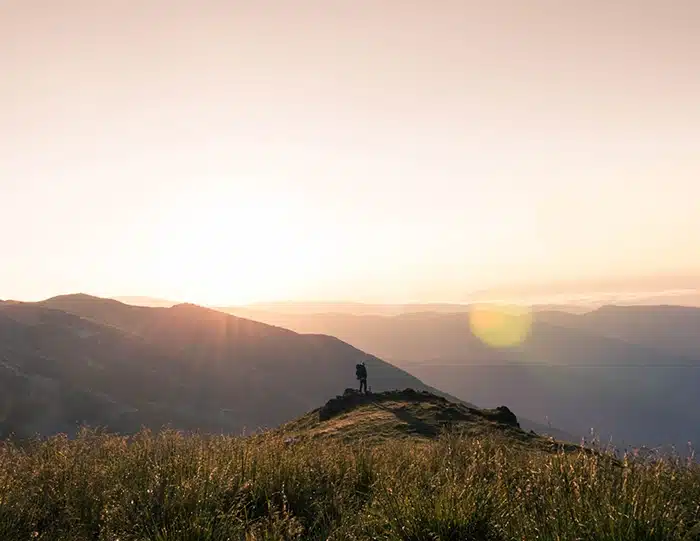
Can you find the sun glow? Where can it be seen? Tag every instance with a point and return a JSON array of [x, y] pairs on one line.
[[234, 248]]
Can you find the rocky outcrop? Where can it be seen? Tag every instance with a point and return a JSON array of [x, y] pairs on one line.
[[447, 413]]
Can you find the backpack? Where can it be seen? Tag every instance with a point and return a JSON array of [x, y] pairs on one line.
[[360, 371]]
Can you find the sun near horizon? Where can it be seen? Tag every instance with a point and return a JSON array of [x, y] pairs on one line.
[[225, 153]]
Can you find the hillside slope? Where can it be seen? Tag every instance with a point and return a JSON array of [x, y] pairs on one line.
[[80, 359]]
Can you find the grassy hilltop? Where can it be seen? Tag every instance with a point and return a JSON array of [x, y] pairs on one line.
[[479, 477], [418, 415]]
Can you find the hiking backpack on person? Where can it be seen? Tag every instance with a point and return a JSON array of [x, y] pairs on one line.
[[361, 373]]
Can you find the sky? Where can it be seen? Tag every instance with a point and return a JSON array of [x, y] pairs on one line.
[[229, 151]]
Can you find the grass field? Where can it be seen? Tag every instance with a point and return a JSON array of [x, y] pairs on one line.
[[169, 486]]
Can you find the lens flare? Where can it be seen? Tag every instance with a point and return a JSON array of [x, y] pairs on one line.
[[501, 326]]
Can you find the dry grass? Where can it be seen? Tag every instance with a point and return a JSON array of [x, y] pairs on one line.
[[168, 486]]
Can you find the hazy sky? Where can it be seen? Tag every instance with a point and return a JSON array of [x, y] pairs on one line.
[[380, 150]]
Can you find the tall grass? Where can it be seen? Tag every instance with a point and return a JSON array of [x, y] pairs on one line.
[[168, 486]]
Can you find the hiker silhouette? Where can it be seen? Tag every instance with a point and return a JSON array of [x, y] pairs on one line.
[[361, 373]]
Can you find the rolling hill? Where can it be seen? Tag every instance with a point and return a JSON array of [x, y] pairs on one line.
[[82, 359]]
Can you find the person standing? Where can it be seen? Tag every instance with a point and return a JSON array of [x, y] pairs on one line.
[[361, 373]]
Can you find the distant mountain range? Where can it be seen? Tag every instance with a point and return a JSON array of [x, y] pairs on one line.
[[674, 330], [78, 359], [575, 297], [676, 289], [629, 373], [364, 309], [340, 307]]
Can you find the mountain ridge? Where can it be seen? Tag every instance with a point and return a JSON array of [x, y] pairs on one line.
[[186, 366]]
